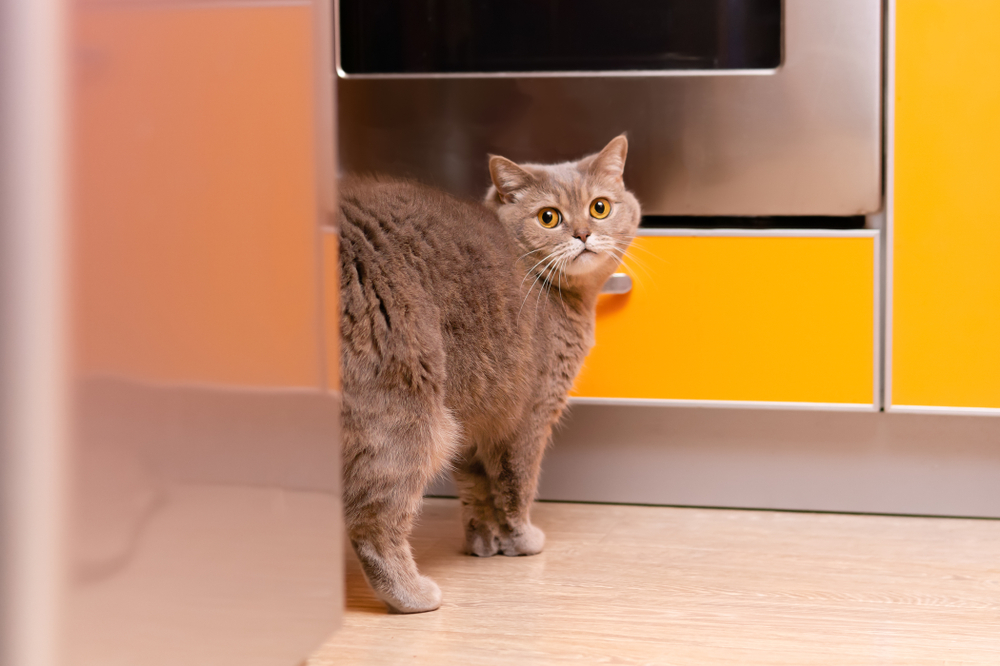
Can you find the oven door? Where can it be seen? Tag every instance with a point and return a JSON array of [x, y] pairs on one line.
[[732, 107]]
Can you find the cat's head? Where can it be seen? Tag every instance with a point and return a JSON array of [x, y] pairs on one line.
[[574, 219]]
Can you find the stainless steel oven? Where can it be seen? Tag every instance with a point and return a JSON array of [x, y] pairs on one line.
[[733, 107]]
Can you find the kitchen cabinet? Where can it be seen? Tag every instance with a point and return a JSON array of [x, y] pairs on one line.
[[206, 511], [195, 186], [944, 252], [762, 318]]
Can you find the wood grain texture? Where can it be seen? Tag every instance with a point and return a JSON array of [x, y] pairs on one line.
[[656, 585]]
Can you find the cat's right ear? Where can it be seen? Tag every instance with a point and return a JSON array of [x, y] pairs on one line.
[[610, 162], [508, 178]]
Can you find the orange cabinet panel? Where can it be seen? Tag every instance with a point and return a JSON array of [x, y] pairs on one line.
[[740, 318], [195, 193], [945, 315]]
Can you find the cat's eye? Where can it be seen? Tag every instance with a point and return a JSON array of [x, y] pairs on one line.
[[600, 208], [549, 217]]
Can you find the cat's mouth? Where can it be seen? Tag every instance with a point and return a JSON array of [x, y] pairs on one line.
[[585, 257], [584, 262]]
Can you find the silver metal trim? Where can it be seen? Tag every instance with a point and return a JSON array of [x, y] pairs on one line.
[[727, 404], [760, 233], [890, 193], [541, 75], [619, 283], [877, 322], [944, 411], [630, 73]]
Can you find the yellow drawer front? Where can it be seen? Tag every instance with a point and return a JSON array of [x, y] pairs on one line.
[[773, 319], [946, 226]]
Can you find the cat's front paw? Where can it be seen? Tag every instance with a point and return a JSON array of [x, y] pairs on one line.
[[421, 596], [481, 539], [527, 540]]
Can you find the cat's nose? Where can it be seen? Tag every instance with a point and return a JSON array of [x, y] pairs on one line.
[[582, 235]]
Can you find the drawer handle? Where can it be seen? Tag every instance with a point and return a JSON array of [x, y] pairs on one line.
[[619, 283]]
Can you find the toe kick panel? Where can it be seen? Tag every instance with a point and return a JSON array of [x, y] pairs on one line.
[[779, 319]]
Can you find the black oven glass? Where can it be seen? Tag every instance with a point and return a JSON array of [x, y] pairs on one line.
[[456, 36]]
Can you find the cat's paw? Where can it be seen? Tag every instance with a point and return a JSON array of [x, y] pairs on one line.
[[528, 540], [421, 597], [481, 540]]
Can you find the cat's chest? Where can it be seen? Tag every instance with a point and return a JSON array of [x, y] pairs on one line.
[[572, 338]]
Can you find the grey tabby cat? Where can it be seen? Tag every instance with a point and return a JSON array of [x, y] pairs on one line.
[[463, 327]]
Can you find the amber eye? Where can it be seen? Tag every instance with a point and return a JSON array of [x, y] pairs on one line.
[[600, 208], [549, 217]]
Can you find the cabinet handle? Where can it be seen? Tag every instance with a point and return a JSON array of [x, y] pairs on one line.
[[619, 283]]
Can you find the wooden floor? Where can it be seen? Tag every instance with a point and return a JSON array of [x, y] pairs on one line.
[[654, 585]]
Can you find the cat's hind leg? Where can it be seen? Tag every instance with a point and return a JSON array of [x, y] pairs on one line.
[[390, 457], [497, 484], [482, 530]]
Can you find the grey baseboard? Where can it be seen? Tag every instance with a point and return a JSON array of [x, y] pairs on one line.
[[791, 460]]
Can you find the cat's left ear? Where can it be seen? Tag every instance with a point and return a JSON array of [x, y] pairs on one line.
[[508, 178], [610, 162]]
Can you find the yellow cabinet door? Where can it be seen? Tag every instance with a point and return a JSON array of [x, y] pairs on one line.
[[757, 317], [945, 243]]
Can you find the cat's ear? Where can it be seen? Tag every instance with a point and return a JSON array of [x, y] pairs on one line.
[[508, 178], [610, 162]]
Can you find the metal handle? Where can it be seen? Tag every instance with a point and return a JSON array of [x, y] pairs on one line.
[[619, 283]]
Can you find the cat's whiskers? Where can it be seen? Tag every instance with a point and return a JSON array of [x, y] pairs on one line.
[[557, 250], [635, 260], [547, 282], [649, 253], [562, 299], [626, 251], [638, 278], [528, 293], [537, 249], [559, 285], [559, 268], [628, 241], [550, 257], [605, 243], [530, 270], [570, 256], [623, 250], [612, 240], [621, 254], [564, 250]]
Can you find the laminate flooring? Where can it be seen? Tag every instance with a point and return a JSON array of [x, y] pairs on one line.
[[676, 586]]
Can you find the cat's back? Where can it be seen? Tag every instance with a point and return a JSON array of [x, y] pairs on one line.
[[396, 223], [417, 236], [415, 261]]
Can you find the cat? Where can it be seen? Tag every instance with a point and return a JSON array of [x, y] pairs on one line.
[[463, 326]]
